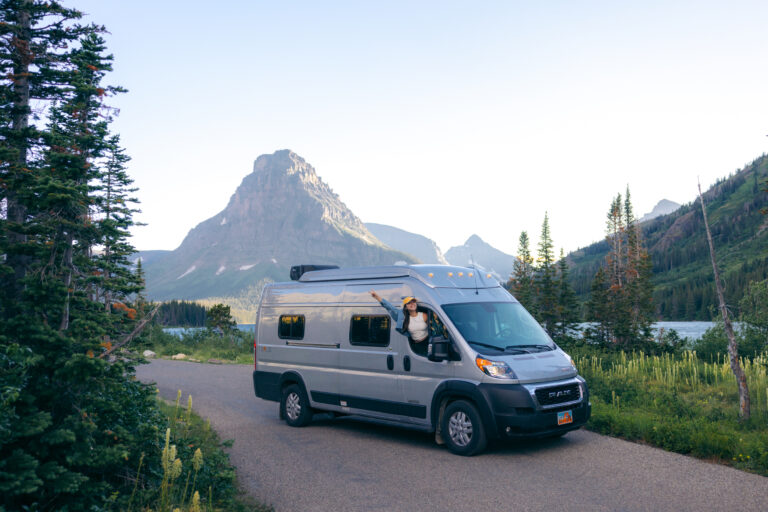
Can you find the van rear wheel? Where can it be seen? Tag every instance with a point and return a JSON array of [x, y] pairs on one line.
[[462, 429], [294, 406]]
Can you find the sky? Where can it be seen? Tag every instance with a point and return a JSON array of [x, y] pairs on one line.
[[445, 118]]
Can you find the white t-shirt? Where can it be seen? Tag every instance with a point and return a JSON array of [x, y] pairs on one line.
[[417, 327]]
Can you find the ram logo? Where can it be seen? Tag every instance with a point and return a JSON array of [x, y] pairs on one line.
[[558, 394]]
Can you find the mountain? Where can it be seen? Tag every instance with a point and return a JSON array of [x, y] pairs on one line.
[[282, 214], [484, 255], [421, 247], [677, 243], [663, 207], [149, 257]]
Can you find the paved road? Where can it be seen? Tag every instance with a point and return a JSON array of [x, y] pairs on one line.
[[347, 465]]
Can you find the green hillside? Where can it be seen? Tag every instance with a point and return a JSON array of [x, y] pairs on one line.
[[678, 246]]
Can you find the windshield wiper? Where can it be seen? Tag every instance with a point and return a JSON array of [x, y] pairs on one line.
[[486, 345], [544, 347]]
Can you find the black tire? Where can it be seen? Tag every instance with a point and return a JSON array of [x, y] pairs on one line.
[[462, 429], [294, 406]]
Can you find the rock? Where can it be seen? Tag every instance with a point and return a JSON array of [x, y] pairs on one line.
[[215, 361], [149, 354], [179, 356]]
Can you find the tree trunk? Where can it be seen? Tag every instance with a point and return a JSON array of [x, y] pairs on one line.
[[22, 57], [733, 346]]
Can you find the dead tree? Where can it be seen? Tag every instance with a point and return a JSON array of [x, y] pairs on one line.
[[733, 345]]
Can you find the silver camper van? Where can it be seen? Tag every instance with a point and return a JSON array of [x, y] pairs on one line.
[[488, 371]]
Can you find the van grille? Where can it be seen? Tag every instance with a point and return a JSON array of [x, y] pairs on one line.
[[558, 395]]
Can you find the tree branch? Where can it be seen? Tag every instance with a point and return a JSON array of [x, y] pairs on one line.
[[136, 331]]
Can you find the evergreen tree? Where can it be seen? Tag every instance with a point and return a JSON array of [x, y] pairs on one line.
[[627, 290], [521, 284], [567, 306], [545, 279], [598, 311], [73, 423], [219, 317]]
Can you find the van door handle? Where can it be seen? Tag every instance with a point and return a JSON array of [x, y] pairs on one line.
[[390, 362], [407, 363]]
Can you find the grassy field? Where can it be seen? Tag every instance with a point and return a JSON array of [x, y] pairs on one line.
[[200, 345], [679, 403]]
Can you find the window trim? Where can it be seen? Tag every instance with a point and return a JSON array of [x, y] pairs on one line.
[[303, 327], [370, 317]]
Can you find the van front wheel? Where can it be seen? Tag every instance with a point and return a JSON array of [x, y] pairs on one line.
[[462, 428], [294, 406]]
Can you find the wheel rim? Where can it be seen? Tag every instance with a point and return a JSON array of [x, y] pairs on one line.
[[292, 406], [460, 428]]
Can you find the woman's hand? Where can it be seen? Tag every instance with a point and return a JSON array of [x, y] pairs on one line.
[[375, 296]]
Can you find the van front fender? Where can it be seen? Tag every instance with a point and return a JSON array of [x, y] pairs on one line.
[[462, 390]]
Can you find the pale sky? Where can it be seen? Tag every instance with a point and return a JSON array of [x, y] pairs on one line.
[[444, 118]]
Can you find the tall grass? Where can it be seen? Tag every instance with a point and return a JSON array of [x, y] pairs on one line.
[[190, 471], [679, 403]]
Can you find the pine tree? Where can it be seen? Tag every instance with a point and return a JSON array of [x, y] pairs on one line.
[[598, 311], [521, 284], [73, 424], [628, 290], [567, 305], [545, 278]]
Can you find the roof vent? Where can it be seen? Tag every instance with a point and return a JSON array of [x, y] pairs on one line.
[[298, 270]]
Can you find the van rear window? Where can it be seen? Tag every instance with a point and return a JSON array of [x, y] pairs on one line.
[[291, 327], [369, 330]]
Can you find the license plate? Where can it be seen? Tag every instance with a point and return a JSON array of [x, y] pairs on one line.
[[564, 417]]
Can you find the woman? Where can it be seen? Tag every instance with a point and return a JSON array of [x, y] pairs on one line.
[[415, 323]]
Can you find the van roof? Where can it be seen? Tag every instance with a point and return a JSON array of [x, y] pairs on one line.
[[435, 276]]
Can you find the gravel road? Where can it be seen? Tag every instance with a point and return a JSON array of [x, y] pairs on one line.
[[348, 465]]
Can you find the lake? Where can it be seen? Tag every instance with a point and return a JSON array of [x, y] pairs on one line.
[[692, 330]]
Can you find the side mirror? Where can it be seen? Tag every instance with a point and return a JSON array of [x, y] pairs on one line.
[[438, 349]]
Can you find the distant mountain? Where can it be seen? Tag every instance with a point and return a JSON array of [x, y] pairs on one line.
[[663, 207], [282, 214], [483, 254], [421, 247], [149, 257], [678, 247]]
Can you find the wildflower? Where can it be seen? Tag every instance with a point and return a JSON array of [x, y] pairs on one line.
[[197, 460], [195, 503], [176, 469]]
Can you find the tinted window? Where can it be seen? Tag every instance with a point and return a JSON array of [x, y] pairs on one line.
[[291, 327], [371, 330]]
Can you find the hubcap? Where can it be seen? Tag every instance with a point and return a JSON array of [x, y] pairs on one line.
[[460, 428], [292, 406]]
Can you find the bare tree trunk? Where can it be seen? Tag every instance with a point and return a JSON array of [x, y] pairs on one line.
[[733, 346]]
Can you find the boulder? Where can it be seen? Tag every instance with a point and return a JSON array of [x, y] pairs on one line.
[[149, 354], [179, 356]]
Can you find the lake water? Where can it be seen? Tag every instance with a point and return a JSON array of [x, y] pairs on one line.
[[692, 330]]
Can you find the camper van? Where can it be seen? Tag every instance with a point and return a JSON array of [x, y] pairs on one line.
[[488, 370]]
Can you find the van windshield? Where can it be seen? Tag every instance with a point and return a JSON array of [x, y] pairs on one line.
[[499, 326]]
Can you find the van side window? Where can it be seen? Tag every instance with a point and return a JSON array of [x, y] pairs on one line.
[[369, 330], [291, 327]]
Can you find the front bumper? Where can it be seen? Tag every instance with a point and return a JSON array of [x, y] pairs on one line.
[[517, 413]]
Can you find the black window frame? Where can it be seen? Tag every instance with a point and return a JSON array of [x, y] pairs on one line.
[[292, 335], [388, 330]]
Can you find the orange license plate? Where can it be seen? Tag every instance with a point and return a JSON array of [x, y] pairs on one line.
[[564, 417]]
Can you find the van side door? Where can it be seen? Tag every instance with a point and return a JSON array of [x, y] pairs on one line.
[[418, 376]]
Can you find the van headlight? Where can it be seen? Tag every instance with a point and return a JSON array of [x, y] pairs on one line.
[[498, 369]]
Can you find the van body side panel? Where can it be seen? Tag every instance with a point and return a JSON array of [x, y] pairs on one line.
[[314, 357]]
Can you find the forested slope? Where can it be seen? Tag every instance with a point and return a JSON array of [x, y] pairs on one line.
[[678, 246]]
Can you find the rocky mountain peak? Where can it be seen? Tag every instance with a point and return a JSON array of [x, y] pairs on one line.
[[282, 214]]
